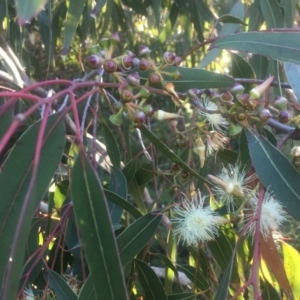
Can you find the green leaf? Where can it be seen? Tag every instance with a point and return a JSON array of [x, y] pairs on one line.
[[122, 203], [272, 14], [169, 153], [222, 247], [292, 72], [130, 169], [87, 290], [156, 4], [241, 69], [269, 292], [98, 240], [150, 283], [98, 7], [238, 11], [194, 78], [196, 19], [195, 276], [118, 185], [132, 240], [15, 178], [107, 16], [291, 259], [112, 146], [231, 19], [228, 156], [222, 291], [144, 174], [279, 44], [62, 290], [256, 18], [275, 172], [27, 9], [74, 12], [289, 8]]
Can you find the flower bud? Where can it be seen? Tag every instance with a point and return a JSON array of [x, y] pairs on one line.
[[94, 61], [144, 65], [280, 103], [295, 152], [243, 99], [110, 65], [148, 110], [126, 95], [154, 78], [237, 88], [178, 60], [135, 62], [169, 58], [226, 97], [199, 149], [284, 116], [264, 115], [163, 115], [139, 117], [127, 62], [241, 116], [134, 78], [184, 175], [175, 168], [169, 87], [144, 51], [259, 90]]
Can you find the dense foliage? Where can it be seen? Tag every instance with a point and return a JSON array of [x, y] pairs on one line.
[[149, 149]]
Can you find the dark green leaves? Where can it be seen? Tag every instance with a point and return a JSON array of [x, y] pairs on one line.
[[275, 172], [280, 44], [98, 240], [168, 152], [14, 182]]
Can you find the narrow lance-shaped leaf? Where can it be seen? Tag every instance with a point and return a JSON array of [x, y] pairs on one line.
[[74, 12], [275, 172], [98, 240], [280, 44], [169, 153], [14, 182], [62, 290], [152, 286]]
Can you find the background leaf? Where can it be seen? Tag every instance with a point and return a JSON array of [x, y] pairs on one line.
[[60, 287], [27, 9], [14, 187], [151, 284], [278, 44], [275, 172], [93, 220]]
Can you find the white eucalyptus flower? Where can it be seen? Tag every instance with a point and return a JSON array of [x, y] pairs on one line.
[[272, 215], [230, 183], [194, 223], [216, 121]]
